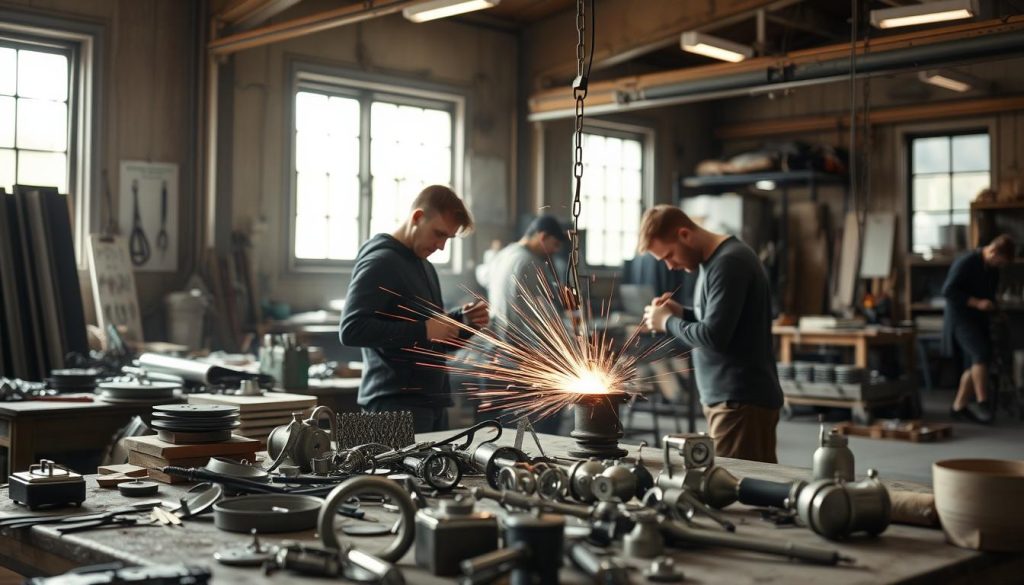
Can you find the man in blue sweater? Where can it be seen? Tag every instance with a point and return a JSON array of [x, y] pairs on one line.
[[392, 284], [729, 330]]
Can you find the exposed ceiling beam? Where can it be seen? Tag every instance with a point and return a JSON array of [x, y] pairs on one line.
[[238, 9], [262, 14], [811, 20], [306, 25]]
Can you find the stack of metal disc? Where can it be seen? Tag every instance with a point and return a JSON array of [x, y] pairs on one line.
[[195, 423], [73, 380], [136, 392], [785, 371], [803, 371], [824, 373], [849, 374]]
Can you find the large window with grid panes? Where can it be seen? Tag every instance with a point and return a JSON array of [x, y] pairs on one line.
[[362, 152], [614, 192], [947, 172]]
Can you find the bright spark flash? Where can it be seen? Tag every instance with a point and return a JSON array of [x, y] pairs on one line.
[[551, 360]]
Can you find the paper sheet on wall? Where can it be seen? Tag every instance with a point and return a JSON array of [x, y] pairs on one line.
[[113, 286], [879, 238], [148, 207]]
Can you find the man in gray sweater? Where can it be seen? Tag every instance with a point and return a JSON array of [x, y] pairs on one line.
[[729, 330]]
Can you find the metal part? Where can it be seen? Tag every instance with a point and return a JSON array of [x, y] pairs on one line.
[[663, 570], [455, 531], [116, 574], [236, 468], [46, 484], [300, 441], [351, 564], [696, 449], [601, 568], [491, 458], [713, 485], [252, 554], [615, 484], [553, 483], [581, 478], [679, 532], [394, 429], [525, 502], [267, 513], [683, 503], [833, 458], [598, 428], [199, 499], [837, 510], [532, 555], [138, 488], [438, 469], [517, 479], [645, 540], [774, 494], [370, 486]]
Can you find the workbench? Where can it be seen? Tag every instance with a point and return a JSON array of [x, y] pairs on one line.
[[901, 554], [33, 427]]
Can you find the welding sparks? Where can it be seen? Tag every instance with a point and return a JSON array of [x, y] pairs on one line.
[[553, 359]]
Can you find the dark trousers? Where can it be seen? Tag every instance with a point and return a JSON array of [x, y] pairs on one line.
[[425, 418]]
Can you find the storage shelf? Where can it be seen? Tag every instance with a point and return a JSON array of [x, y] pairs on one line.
[[780, 178]]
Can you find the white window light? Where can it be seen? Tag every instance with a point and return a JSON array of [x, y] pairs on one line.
[[950, 79], [714, 47], [926, 13], [445, 8]]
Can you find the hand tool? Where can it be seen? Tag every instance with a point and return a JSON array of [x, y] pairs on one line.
[[138, 244], [161, 237]]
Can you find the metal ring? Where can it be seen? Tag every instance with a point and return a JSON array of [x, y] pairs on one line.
[[374, 485]]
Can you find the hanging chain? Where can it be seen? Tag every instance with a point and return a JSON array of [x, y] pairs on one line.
[[579, 92]]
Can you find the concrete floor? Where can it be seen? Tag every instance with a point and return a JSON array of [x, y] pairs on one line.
[[798, 438]]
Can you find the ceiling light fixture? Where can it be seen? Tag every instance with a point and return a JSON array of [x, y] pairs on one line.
[[927, 13], [714, 47], [445, 8], [949, 79]]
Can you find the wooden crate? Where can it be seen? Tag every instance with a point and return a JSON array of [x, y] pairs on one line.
[[917, 431]]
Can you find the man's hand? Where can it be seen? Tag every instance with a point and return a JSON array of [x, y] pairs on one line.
[[476, 315], [984, 305], [655, 316], [441, 330], [666, 300]]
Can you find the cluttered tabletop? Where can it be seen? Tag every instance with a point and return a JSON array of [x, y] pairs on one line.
[[312, 512]]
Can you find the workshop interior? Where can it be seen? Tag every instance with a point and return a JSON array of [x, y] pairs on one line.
[[511, 291]]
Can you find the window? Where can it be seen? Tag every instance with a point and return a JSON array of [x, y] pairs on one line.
[[362, 154], [612, 195], [946, 174], [34, 116]]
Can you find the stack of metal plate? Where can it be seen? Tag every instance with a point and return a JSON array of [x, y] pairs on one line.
[[785, 370], [135, 392], [73, 380], [848, 374], [194, 423], [803, 371], [824, 374]]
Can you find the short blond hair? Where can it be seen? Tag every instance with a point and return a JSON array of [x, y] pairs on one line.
[[661, 222], [441, 199]]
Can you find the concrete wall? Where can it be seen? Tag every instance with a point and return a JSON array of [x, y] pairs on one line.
[[478, 62], [145, 105]]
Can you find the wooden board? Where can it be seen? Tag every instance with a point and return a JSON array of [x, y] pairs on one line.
[[151, 445], [12, 281], [113, 286], [69, 289], [31, 308], [277, 401], [916, 431], [46, 289]]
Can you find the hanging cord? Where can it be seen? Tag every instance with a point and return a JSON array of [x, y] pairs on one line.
[[852, 154], [579, 92]]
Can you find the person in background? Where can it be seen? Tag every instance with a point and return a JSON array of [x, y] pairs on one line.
[[970, 292], [391, 273], [729, 330], [523, 263]]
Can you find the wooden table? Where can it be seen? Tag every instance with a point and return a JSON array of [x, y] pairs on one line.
[[32, 427], [901, 554], [861, 340], [337, 393]]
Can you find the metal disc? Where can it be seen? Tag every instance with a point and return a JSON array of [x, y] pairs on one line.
[[199, 410], [245, 556], [366, 529]]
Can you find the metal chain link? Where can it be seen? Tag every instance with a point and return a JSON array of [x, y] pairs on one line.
[[579, 92]]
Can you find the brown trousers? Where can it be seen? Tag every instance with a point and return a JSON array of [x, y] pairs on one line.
[[743, 431]]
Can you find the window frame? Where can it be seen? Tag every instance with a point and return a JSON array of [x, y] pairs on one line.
[[905, 136], [83, 42], [368, 88], [646, 136]]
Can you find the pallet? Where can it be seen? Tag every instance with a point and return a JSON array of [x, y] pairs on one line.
[[916, 431]]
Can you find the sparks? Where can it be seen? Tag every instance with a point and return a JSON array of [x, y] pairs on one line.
[[554, 359]]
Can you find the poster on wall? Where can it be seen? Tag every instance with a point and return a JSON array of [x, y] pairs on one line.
[[149, 214], [113, 286]]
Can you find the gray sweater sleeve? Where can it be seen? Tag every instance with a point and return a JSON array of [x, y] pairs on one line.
[[362, 324], [726, 283]]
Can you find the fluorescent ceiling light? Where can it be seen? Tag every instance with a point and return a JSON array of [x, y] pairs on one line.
[[949, 79], [765, 185], [927, 13], [445, 8], [714, 47]]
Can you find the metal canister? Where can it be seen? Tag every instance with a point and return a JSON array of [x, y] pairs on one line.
[[833, 458]]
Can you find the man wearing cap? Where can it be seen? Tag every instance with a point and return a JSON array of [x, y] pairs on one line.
[[519, 265]]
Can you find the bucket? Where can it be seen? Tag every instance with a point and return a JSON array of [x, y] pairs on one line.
[[186, 311]]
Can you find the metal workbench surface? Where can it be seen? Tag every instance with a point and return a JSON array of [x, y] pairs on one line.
[[901, 554]]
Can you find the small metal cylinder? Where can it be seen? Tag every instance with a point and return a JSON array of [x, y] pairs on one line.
[[597, 427]]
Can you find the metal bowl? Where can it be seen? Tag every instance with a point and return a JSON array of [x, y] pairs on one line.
[[267, 513]]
